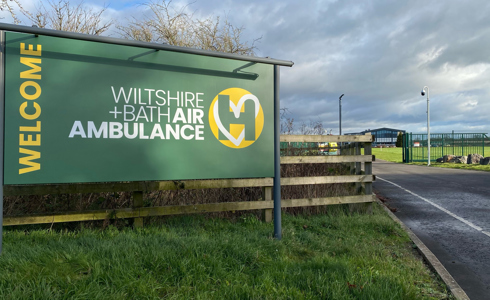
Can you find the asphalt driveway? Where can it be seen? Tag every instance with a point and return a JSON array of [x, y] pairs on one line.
[[449, 210]]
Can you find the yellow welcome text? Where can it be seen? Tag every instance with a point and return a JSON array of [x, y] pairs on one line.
[[29, 109]]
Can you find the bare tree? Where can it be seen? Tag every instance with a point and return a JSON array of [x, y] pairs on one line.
[[211, 34], [314, 127], [63, 15], [9, 6], [173, 26], [287, 126]]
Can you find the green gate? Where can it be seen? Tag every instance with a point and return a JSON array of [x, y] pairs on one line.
[[459, 144]]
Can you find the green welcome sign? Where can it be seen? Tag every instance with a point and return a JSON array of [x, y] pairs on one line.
[[81, 111]]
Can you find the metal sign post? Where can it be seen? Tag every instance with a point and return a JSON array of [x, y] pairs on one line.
[[277, 158], [2, 101]]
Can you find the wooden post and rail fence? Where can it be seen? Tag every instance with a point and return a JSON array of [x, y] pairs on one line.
[[350, 154]]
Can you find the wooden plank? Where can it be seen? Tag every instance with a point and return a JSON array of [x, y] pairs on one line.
[[324, 159], [70, 217], [51, 189], [325, 179], [184, 209], [205, 208], [326, 201], [141, 212], [325, 138], [219, 183]]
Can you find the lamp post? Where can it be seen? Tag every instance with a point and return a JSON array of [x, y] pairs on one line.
[[340, 114], [424, 90], [340, 122]]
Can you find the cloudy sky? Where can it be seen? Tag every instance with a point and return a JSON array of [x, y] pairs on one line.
[[379, 53]]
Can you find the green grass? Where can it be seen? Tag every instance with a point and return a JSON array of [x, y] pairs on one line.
[[485, 168], [395, 155], [334, 256], [389, 154]]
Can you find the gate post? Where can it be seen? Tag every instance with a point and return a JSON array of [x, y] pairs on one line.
[[404, 148], [462, 144], [411, 148], [443, 146], [483, 144]]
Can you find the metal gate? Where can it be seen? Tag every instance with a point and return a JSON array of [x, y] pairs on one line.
[[459, 144]]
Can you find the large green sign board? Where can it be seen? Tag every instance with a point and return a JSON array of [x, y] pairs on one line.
[[79, 111]]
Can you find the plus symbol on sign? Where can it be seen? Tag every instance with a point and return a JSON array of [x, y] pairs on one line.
[[115, 112]]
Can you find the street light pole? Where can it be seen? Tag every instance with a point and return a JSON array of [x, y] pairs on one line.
[[340, 122], [426, 89], [340, 114]]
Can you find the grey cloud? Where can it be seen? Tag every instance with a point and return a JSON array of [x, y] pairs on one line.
[[379, 53]]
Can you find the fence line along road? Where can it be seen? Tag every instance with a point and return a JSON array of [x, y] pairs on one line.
[[350, 156]]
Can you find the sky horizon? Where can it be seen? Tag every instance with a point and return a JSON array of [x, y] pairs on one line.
[[378, 53]]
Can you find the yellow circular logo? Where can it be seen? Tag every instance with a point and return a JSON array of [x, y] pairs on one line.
[[236, 118]]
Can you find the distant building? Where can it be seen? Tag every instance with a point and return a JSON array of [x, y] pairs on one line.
[[382, 136]]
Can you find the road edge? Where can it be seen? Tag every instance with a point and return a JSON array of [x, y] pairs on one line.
[[429, 257]]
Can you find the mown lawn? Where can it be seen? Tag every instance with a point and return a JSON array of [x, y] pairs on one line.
[[332, 256], [389, 154], [395, 155]]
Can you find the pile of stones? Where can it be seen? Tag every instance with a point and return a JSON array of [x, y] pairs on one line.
[[470, 159]]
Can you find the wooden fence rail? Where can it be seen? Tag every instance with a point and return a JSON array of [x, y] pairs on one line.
[[350, 155]]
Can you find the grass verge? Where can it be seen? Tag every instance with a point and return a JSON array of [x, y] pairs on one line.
[[332, 256], [485, 168]]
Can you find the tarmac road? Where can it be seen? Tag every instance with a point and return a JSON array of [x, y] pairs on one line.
[[449, 210]]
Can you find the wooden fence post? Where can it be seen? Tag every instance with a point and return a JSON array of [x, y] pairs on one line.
[[137, 203], [352, 165], [358, 168], [267, 196], [368, 171], [352, 170]]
